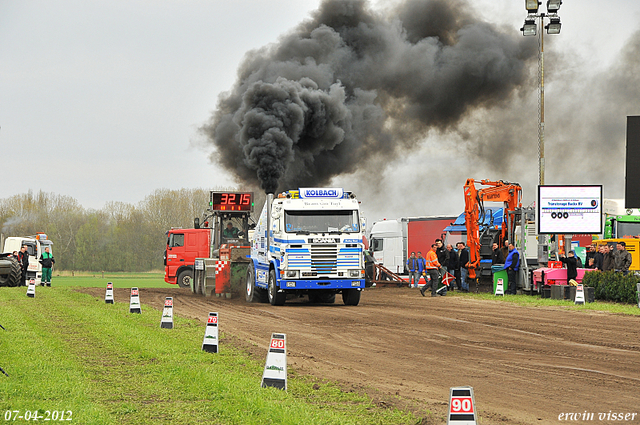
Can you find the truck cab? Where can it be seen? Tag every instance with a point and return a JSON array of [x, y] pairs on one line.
[[308, 242], [183, 247]]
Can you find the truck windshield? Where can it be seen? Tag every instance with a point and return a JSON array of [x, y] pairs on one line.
[[338, 221], [627, 229]]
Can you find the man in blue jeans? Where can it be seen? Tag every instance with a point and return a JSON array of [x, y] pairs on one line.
[[512, 265], [412, 266]]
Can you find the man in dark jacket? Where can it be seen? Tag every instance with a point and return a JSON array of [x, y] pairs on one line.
[[609, 261], [452, 263], [622, 258], [496, 255], [47, 261], [591, 253], [443, 257], [23, 259], [598, 258], [572, 265], [463, 260]]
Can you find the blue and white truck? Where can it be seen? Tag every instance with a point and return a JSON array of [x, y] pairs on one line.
[[307, 242]]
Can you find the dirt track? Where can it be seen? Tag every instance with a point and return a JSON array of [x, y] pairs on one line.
[[526, 365]]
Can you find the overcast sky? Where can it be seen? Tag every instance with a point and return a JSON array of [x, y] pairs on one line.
[[101, 100]]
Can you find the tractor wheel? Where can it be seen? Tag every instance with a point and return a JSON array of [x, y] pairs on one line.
[[184, 278], [275, 297], [10, 272]]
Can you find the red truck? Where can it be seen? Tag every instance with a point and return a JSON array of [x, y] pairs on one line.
[[183, 247]]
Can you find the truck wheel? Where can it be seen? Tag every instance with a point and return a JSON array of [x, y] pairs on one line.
[[184, 279], [350, 296], [10, 272], [275, 297], [251, 293]]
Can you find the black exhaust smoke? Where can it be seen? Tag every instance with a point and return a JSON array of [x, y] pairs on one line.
[[351, 83]]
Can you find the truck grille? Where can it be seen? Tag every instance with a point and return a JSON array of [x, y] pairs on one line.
[[324, 259]]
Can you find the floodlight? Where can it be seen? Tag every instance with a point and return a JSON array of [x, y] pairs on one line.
[[554, 26], [553, 5], [529, 28], [531, 5]]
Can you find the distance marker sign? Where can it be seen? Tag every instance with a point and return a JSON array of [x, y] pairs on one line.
[[210, 342], [134, 301], [461, 407], [275, 369], [108, 296], [166, 322]]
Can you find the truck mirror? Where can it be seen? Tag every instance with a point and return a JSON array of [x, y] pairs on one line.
[[196, 223]]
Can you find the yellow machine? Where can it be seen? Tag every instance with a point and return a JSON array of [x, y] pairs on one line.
[[632, 245]]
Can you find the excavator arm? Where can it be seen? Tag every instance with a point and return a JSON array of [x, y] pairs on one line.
[[498, 191]]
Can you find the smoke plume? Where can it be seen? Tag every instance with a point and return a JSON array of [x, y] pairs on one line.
[[351, 84]]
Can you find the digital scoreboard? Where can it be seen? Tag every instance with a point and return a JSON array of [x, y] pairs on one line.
[[231, 201]]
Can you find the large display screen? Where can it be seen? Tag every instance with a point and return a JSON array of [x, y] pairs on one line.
[[569, 209], [231, 201]]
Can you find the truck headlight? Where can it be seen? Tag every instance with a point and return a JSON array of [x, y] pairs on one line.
[[354, 273], [292, 274]]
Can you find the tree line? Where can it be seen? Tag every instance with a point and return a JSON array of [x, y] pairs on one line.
[[118, 237]]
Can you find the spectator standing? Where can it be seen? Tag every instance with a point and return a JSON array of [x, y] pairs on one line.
[[463, 260], [572, 265], [412, 266], [443, 257], [432, 266], [421, 269], [496, 255], [23, 259], [505, 250], [609, 261], [599, 258], [452, 263], [589, 260], [47, 261], [623, 258], [512, 265]]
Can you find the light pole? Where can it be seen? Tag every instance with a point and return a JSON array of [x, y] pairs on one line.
[[530, 28]]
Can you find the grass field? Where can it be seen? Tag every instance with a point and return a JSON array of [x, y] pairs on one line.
[[120, 280], [69, 352]]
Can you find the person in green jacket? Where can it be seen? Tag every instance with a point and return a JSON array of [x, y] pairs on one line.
[[47, 261]]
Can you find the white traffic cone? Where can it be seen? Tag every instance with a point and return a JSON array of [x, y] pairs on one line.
[[167, 314], [210, 342], [275, 369], [108, 296], [134, 301]]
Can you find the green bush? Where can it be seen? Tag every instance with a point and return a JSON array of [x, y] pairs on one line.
[[612, 286]]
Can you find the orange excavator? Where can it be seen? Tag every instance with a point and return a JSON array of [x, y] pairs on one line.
[[497, 191]]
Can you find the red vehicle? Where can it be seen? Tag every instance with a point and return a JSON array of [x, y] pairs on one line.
[[183, 247], [225, 227]]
